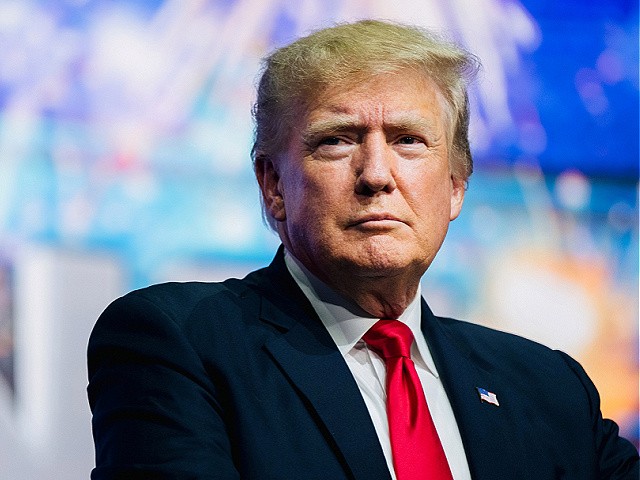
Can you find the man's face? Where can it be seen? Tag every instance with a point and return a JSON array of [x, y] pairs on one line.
[[364, 186]]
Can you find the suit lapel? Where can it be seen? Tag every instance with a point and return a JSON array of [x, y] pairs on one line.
[[489, 433], [306, 354], [316, 369]]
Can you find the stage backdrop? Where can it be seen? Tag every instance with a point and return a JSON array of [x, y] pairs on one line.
[[125, 133]]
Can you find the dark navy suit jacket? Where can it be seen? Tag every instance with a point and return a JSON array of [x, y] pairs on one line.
[[240, 379]]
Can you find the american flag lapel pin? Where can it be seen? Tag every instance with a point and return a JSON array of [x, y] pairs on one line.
[[487, 396]]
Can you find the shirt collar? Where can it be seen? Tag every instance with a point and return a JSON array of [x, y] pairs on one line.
[[346, 322]]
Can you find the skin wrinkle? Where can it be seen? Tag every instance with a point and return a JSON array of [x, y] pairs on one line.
[[295, 77], [346, 120], [346, 123], [367, 209]]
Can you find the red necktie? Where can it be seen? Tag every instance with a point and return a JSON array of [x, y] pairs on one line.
[[417, 451]]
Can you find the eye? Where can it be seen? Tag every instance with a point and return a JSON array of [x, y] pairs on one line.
[[332, 147], [330, 141], [409, 140]]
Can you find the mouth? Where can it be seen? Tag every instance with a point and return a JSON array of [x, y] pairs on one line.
[[376, 220]]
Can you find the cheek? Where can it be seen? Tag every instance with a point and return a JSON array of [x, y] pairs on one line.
[[431, 202], [429, 184], [320, 192], [305, 201]]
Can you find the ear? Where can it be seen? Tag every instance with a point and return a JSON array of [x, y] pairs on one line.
[[269, 181], [458, 188]]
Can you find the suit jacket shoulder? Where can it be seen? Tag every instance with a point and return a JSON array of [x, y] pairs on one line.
[[237, 379], [548, 415]]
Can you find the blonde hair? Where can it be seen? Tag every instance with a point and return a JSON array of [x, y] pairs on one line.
[[349, 53]]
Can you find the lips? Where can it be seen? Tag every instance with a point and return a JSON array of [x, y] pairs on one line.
[[375, 218]]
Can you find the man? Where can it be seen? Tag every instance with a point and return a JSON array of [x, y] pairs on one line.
[[362, 159]]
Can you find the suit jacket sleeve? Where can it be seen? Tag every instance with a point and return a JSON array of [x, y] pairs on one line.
[[156, 412], [617, 458]]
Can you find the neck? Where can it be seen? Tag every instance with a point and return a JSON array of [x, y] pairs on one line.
[[382, 297]]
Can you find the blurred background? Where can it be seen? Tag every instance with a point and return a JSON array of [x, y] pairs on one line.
[[125, 132]]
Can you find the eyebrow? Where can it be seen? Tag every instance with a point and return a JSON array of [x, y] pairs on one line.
[[341, 122], [327, 126]]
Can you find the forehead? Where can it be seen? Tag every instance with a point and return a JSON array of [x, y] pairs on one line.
[[404, 98]]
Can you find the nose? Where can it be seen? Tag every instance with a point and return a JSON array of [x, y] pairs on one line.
[[375, 167]]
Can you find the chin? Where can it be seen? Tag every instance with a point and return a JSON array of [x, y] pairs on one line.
[[383, 258]]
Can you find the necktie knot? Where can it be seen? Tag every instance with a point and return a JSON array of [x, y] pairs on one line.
[[389, 339]]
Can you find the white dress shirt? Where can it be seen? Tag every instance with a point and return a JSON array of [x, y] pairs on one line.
[[347, 323]]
